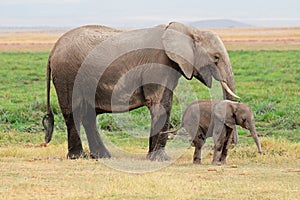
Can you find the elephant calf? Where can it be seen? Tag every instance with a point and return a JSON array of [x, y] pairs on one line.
[[204, 119]]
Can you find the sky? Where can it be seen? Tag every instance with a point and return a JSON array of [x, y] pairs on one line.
[[145, 13]]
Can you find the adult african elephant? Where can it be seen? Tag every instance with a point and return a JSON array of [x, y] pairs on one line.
[[97, 69]]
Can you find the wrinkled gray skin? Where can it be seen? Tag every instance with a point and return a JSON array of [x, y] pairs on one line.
[[226, 114], [205, 52], [196, 120], [217, 119]]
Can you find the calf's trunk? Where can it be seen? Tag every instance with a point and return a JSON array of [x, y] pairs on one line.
[[256, 140]]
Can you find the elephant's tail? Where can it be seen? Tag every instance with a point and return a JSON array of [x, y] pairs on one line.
[[48, 119], [174, 130]]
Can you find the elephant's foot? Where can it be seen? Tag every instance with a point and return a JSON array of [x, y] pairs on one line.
[[197, 161], [77, 155], [223, 162], [219, 163], [159, 155], [100, 154]]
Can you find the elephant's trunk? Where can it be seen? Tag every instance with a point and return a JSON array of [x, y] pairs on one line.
[[256, 140], [228, 82]]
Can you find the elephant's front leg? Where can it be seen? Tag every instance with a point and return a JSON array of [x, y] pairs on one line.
[[229, 137], [160, 122], [235, 137], [219, 139], [158, 98]]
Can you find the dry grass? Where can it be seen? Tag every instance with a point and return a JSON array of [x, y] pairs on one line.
[[260, 38], [32, 172], [234, 39], [259, 34], [28, 40], [30, 36], [41, 173]]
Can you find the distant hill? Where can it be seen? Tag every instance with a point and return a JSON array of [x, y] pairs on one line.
[[219, 23]]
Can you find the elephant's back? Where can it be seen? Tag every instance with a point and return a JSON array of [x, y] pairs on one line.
[[72, 48], [67, 56], [198, 115]]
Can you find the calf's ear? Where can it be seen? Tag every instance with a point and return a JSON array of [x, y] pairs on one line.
[[231, 115], [225, 111]]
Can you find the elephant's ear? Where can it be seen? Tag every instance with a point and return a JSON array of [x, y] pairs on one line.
[[217, 124], [225, 111], [179, 47], [231, 109]]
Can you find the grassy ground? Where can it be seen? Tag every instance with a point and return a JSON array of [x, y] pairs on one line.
[[267, 80], [32, 172]]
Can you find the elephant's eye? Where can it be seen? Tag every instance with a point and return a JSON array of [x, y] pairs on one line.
[[217, 58]]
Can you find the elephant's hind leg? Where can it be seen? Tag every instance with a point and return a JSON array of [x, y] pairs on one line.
[[198, 141], [97, 148], [74, 142]]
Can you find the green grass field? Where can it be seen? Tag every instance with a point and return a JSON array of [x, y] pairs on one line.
[[268, 81]]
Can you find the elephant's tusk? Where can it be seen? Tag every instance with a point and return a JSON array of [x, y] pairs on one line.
[[225, 86]]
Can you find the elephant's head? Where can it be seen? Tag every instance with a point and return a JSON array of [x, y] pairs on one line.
[[200, 54], [231, 113]]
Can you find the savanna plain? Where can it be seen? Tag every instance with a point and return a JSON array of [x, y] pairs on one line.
[[266, 64]]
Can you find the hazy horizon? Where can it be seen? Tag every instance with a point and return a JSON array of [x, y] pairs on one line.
[[141, 13]]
